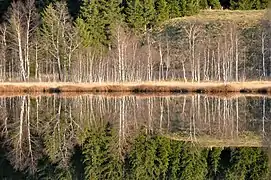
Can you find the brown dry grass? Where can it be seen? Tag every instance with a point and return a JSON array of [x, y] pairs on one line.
[[244, 16], [253, 87]]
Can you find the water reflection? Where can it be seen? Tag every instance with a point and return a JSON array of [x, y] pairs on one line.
[[57, 132]]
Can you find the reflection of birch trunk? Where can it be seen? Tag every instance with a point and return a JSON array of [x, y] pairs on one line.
[[191, 119], [37, 112], [135, 103], [198, 107], [230, 108], [205, 109], [19, 143], [123, 117], [263, 116], [224, 113], [29, 132], [150, 117], [237, 117], [184, 103], [120, 121], [168, 113], [161, 112]]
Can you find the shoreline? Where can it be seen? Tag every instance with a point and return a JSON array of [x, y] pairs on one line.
[[171, 87]]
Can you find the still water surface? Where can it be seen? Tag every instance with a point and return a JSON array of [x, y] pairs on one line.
[[135, 137]]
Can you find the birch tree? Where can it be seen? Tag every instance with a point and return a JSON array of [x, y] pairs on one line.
[[60, 38], [23, 23]]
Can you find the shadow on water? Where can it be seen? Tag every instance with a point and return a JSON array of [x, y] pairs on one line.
[[135, 137]]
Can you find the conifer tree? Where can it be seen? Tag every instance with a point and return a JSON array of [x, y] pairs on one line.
[[100, 17], [148, 13], [162, 11], [189, 7], [134, 15], [140, 15], [214, 4], [204, 4], [174, 8], [243, 4]]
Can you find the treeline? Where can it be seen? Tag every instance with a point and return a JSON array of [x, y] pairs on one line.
[[150, 157], [74, 6], [117, 41]]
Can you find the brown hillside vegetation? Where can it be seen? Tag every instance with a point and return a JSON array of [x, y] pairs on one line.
[[248, 16]]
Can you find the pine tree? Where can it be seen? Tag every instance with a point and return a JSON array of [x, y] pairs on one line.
[[214, 4], [134, 15], [174, 8], [162, 11], [242, 4], [192, 7], [100, 18], [140, 15], [204, 4], [148, 13], [189, 7]]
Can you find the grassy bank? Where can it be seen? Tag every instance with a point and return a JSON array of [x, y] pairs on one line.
[[239, 16], [254, 87]]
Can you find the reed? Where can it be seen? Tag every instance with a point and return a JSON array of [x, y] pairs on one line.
[[253, 87]]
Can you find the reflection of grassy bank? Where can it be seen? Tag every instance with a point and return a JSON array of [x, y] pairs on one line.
[[255, 87], [246, 139]]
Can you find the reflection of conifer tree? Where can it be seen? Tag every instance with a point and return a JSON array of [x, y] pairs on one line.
[[213, 162], [247, 163], [50, 170], [6, 169], [101, 157], [174, 160], [193, 164], [149, 157]]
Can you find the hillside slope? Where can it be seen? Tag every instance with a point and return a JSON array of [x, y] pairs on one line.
[[218, 45]]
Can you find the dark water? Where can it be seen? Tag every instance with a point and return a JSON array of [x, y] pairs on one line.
[[101, 137]]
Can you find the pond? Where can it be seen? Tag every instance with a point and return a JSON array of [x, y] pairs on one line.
[[111, 136]]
